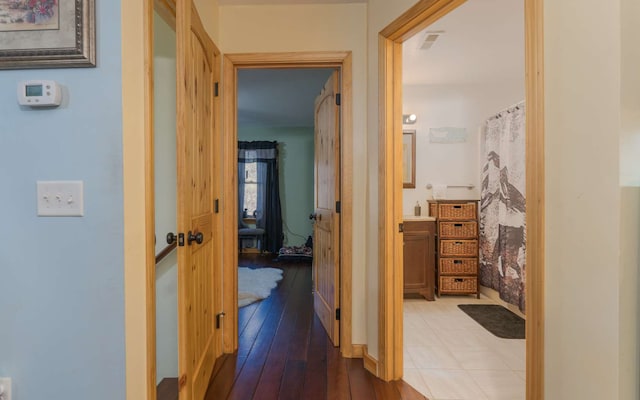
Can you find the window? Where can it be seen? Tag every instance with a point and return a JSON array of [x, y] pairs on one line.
[[250, 188]]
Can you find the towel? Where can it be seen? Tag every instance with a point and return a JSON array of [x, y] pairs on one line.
[[439, 191]]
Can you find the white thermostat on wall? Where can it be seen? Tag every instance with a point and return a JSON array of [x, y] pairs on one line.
[[39, 93]]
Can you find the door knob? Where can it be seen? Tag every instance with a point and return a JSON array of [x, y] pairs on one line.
[[197, 237], [313, 216], [171, 238]]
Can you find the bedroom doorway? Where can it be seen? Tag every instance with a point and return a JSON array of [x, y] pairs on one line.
[[233, 67], [415, 19]]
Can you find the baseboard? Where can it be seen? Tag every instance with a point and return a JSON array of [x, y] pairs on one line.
[[495, 296], [357, 350], [370, 363]]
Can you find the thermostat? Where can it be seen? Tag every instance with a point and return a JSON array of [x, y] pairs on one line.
[[39, 93]]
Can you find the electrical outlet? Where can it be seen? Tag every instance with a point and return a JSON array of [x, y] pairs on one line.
[[5, 388]]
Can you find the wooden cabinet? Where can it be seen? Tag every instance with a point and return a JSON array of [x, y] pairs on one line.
[[457, 246], [419, 258]]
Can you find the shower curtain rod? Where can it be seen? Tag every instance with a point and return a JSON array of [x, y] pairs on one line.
[[507, 110]]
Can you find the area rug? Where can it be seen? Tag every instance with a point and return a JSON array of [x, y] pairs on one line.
[[496, 319], [256, 284]]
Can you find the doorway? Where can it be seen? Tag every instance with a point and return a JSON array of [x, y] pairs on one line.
[[391, 38], [231, 66], [463, 112]]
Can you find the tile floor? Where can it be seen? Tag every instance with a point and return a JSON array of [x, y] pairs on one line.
[[449, 356]]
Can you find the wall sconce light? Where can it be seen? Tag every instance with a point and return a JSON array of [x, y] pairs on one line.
[[409, 119]]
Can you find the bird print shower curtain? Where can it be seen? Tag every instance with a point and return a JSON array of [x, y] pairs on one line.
[[502, 205]]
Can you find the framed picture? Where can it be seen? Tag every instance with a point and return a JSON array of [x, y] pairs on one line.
[[47, 34], [409, 159]]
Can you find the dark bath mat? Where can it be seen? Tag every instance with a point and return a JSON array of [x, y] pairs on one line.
[[496, 319]]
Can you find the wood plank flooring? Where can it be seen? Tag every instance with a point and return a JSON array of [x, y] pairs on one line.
[[284, 353]]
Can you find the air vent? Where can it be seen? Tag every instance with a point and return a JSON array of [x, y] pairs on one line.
[[430, 38]]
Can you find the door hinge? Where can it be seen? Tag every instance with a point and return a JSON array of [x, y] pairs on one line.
[[400, 227], [338, 99], [216, 89], [338, 207], [216, 206], [181, 239], [219, 317], [337, 314]]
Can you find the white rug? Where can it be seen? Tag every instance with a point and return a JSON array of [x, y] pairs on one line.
[[256, 284]]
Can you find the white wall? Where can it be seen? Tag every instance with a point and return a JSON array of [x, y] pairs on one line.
[[461, 106], [167, 317], [209, 12], [586, 304], [629, 350], [315, 27], [164, 130], [165, 197]]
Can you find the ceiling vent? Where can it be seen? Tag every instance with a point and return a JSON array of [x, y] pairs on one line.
[[430, 38]]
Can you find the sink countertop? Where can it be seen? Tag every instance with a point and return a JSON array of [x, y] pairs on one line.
[[418, 218]]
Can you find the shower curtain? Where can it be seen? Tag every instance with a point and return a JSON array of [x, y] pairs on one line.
[[502, 205]]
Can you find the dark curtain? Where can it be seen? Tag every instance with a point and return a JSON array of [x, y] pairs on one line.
[[241, 178], [268, 213]]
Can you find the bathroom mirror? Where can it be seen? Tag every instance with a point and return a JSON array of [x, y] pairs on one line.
[[409, 159]]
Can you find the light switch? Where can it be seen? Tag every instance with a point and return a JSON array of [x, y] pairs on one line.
[[60, 198]]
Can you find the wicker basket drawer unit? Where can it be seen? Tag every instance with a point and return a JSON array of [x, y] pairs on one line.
[[459, 284], [458, 248], [458, 266], [457, 241], [462, 229]]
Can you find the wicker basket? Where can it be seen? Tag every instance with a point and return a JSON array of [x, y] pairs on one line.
[[459, 248], [458, 266], [466, 229], [457, 211], [458, 284]]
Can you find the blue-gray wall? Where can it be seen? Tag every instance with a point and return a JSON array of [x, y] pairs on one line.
[[62, 279], [296, 176]]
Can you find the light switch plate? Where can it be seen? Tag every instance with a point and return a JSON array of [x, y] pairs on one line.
[[60, 198], [5, 388]]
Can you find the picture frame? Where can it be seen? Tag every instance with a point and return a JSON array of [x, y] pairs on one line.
[[409, 159], [47, 34]]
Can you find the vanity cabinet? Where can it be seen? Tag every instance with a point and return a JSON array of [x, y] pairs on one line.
[[419, 258], [457, 246]]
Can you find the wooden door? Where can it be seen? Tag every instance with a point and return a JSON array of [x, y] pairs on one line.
[[326, 244], [199, 267]]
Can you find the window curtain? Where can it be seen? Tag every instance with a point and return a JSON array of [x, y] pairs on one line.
[[268, 210], [241, 179], [502, 205]]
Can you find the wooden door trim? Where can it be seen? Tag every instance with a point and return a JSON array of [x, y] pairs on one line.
[[149, 185], [231, 64], [390, 185]]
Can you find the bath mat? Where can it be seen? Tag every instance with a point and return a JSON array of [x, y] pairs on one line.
[[496, 319]]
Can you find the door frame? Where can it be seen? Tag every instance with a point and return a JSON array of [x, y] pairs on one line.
[[424, 13], [231, 64]]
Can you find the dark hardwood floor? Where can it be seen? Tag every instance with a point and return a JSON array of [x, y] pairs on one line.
[[284, 352]]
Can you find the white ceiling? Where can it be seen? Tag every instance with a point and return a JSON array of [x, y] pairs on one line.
[[483, 42]]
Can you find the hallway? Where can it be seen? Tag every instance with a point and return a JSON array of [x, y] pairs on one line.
[[284, 352]]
